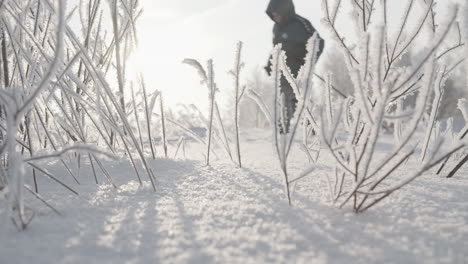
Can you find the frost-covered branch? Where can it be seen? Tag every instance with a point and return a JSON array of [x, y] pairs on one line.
[[380, 88]]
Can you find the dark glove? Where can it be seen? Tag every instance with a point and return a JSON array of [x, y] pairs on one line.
[[268, 67]]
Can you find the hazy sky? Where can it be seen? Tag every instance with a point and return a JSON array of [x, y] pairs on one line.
[[173, 30], [166, 12]]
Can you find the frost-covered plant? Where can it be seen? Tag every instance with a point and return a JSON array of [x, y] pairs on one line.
[[238, 94], [208, 79], [56, 99], [18, 103], [462, 103], [352, 133], [219, 131], [302, 85]]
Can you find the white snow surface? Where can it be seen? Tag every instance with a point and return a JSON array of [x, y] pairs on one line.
[[222, 214]]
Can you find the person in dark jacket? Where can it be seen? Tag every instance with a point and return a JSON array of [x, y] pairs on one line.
[[293, 32]]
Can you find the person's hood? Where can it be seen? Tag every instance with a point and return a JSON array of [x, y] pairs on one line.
[[283, 7]]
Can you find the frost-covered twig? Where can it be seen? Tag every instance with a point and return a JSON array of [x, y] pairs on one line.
[[223, 130], [211, 92], [331, 22], [79, 148], [118, 51], [49, 175], [40, 198], [180, 143], [439, 92], [238, 93], [137, 120], [163, 125], [261, 104], [148, 113]]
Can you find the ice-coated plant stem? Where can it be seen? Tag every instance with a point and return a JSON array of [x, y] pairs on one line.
[[148, 112], [163, 124], [120, 70], [238, 96], [211, 92]]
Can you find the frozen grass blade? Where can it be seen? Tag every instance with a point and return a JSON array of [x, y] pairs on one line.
[[148, 113]]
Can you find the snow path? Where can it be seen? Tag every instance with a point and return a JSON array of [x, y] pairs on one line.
[[221, 214]]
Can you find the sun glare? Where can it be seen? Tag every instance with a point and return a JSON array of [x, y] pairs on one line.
[[159, 59], [165, 43]]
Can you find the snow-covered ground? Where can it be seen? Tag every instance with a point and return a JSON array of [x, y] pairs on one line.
[[222, 214]]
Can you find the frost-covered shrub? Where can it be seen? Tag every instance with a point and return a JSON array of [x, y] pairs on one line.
[[55, 98], [353, 131]]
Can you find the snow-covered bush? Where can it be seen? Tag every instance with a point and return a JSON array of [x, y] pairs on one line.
[[353, 131], [461, 105], [56, 98], [17, 103]]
